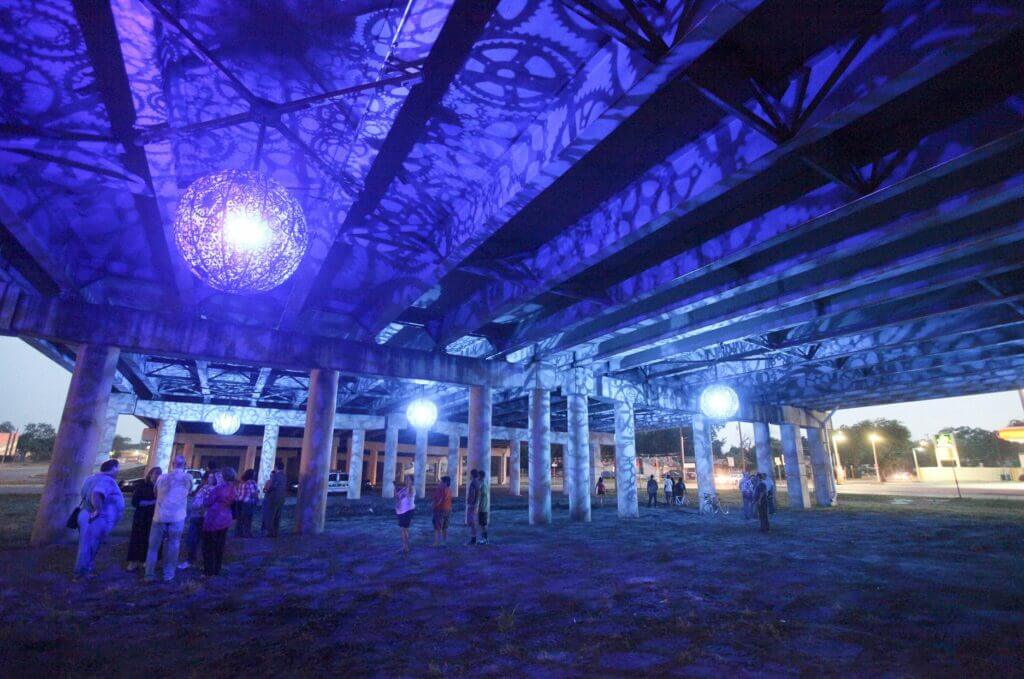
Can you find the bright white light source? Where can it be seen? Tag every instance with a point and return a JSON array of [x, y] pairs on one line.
[[719, 402], [422, 413], [245, 231], [225, 422]]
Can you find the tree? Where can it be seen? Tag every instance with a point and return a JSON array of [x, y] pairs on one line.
[[37, 439], [121, 443], [6, 427], [982, 447], [894, 448]]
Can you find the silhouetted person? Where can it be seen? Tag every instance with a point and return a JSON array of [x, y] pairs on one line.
[[247, 496], [405, 507], [652, 491], [274, 491], [761, 501], [600, 492], [217, 522], [442, 507], [472, 505], [144, 501]]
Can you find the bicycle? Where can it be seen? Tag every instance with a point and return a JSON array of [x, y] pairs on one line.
[[710, 504]]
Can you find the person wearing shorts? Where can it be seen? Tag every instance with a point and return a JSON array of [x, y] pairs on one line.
[[442, 510], [483, 511], [405, 506]]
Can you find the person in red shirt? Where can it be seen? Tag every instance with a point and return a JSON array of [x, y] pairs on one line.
[[442, 510]]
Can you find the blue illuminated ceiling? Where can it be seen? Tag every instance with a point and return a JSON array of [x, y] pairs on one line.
[[819, 202]]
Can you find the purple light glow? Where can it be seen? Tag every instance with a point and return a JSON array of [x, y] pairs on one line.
[[240, 232]]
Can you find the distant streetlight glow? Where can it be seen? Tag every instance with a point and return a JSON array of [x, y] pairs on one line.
[[875, 438]]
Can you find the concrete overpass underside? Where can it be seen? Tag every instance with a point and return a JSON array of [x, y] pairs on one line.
[[557, 217]]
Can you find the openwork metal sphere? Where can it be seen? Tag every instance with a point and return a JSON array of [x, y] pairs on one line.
[[421, 413], [225, 422], [240, 232], [719, 401]]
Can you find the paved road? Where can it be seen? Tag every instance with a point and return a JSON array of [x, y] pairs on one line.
[[1008, 490]]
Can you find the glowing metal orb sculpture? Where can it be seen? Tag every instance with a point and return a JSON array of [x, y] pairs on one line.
[[422, 413], [719, 401], [225, 422], [240, 232]]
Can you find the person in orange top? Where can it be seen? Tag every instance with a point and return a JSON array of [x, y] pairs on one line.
[[442, 510]]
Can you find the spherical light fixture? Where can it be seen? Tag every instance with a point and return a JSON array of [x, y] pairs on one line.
[[240, 232], [225, 422], [421, 413], [719, 401]]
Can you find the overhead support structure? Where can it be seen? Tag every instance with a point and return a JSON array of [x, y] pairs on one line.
[[704, 460], [793, 458], [355, 464], [82, 424], [578, 383], [539, 471], [387, 488]]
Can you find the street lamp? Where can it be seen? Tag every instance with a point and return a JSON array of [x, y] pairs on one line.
[[875, 438], [917, 468], [837, 438]]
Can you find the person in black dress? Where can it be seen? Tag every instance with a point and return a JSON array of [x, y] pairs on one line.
[[144, 502]]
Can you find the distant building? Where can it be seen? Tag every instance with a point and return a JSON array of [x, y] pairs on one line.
[[8, 445]]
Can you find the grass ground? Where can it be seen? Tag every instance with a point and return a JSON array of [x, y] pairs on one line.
[[873, 588]]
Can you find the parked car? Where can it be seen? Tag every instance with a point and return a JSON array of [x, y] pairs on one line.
[[337, 482], [128, 486], [197, 477]]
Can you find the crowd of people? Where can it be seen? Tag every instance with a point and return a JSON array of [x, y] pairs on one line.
[[167, 508], [674, 487], [478, 508], [758, 491]]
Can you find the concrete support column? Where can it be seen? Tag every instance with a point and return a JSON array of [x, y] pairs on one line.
[[188, 450], [387, 488], [373, 468], [82, 426], [821, 468], [763, 449], [704, 458], [335, 452], [355, 464], [577, 458], [268, 453], [248, 460], [311, 504], [419, 469], [515, 451], [107, 442], [595, 464], [793, 459], [453, 462], [625, 461], [164, 448], [502, 469], [479, 443], [539, 471]]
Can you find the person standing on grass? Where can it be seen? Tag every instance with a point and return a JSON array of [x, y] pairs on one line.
[[217, 522], [442, 510], [483, 507], [274, 491], [600, 492], [472, 506], [144, 501], [770, 483], [101, 509], [248, 493], [405, 507], [652, 491], [169, 518], [747, 484], [761, 501], [668, 491], [196, 514]]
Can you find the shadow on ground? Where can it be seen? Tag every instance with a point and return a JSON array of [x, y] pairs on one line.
[[862, 591]]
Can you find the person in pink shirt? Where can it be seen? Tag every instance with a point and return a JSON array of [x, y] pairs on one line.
[[217, 521], [405, 506]]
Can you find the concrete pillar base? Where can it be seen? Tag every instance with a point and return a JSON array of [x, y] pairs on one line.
[[311, 504]]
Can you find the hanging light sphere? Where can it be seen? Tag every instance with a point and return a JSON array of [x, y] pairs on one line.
[[225, 422], [422, 413], [719, 401], [240, 232]]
